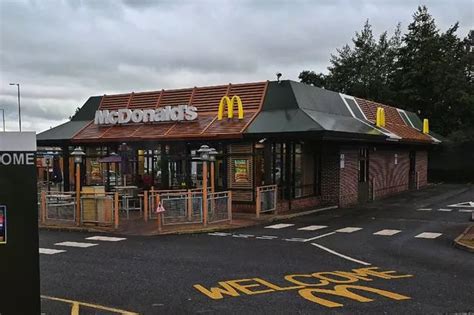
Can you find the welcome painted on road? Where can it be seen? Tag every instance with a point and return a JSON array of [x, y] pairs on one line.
[[311, 286]]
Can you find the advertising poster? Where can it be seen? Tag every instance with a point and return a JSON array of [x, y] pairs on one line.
[[3, 224], [241, 171]]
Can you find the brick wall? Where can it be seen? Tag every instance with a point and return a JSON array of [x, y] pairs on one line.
[[387, 177], [330, 175], [422, 167], [349, 178]]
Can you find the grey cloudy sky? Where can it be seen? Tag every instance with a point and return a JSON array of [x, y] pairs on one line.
[[62, 52]]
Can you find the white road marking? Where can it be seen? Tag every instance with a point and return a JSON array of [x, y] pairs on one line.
[[429, 235], [279, 226], [295, 239], [266, 237], [349, 229], [341, 255], [319, 236], [49, 251], [467, 204], [387, 232], [76, 244], [424, 209], [105, 238], [219, 234], [312, 227], [445, 210], [243, 235], [466, 210]]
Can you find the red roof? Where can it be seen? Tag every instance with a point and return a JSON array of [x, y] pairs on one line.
[[205, 99], [393, 121]]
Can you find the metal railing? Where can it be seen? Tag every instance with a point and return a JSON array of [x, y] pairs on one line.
[[180, 207], [219, 207], [59, 206], [266, 200]]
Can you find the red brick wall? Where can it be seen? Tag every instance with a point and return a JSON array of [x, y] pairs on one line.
[[386, 177], [422, 167], [243, 207], [330, 175], [349, 178]]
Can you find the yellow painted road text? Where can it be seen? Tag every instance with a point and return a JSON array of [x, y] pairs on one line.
[[315, 287]]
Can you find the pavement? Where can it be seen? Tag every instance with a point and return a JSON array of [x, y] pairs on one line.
[[394, 256]]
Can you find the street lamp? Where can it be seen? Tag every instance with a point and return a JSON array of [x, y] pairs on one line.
[[206, 154], [49, 155], [3, 118], [19, 108], [212, 158], [78, 154]]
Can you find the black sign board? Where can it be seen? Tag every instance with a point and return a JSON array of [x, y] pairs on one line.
[[19, 258]]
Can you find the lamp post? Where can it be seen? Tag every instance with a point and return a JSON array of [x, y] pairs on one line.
[[19, 107], [78, 154], [206, 154], [212, 158], [3, 118], [48, 157], [204, 157]]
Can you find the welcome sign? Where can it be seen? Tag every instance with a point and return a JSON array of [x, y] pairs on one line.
[[19, 262]]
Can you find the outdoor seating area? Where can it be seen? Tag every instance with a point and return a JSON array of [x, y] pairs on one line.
[[145, 211], [97, 208]]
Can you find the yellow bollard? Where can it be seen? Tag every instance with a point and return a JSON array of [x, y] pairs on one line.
[[116, 213], [145, 205]]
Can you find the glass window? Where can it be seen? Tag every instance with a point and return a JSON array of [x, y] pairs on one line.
[[305, 171]]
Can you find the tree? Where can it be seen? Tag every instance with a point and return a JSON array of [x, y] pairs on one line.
[[365, 70], [425, 71], [432, 77]]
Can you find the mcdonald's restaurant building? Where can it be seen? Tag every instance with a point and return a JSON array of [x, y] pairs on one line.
[[319, 147]]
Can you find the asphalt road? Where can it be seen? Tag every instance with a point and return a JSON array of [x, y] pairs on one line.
[[290, 267]]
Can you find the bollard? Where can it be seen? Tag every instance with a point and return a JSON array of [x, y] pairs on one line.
[[190, 205], [116, 213], [258, 203], [145, 205], [229, 205], [275, 200], [43, 206]]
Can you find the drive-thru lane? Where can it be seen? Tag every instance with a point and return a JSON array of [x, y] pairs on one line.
[[369, 272]]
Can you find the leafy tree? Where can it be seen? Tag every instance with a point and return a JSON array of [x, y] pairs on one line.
[[432, 76], [424, 70]]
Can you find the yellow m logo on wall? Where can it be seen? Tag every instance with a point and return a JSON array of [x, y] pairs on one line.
[[230, 107]]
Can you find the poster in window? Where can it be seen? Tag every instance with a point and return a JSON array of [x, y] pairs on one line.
[[241, 171], [3, 224]]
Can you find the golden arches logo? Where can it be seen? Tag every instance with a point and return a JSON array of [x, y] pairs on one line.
[[225, 100], [380, 117]]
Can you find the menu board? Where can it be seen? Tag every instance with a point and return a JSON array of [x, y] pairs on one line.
[[3, 224], [241, 171]]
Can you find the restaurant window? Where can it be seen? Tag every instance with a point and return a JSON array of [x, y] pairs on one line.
[[295, 169], [306, 171], [279, 167], [95, 171]]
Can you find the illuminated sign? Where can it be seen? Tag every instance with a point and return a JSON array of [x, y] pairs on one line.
[[3, 224], [230, 107], [241, 171], [126, 116], [318, 287]]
